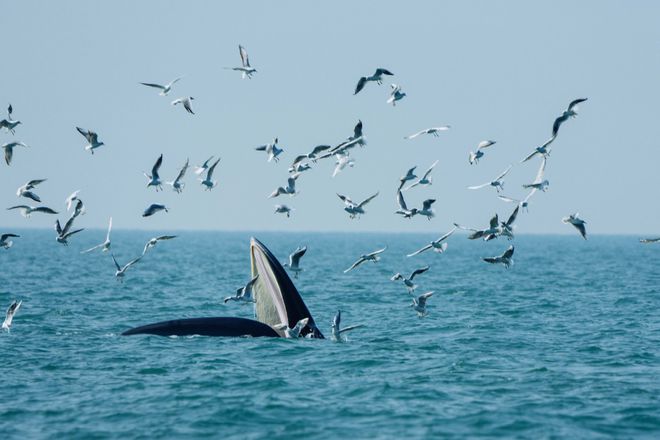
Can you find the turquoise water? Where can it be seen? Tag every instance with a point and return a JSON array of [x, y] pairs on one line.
[[565, 344]]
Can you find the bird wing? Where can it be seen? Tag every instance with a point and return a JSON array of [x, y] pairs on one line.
[[494, 222], [539, 174], [379, 251], [68, 225], [528, 196], [83, 132], [426, 204], [345, 199], [209, 173], [360, 85], [261, 148], [367, 200], [356, 264], [115, 261], [501, 176], [381, 71], [479, 186], [132, 262], [32, 183], [485, 144], [183, 171], [447, 235], [298, 159], [508, 199], [465, 228], [419, 271], [508, 253], [555, 126], [401, 201], [9, 152], [295, 257], [426, 174], [157, 86], [357, 130], [165, 237], [3, 237], [575, 102], [532, 154], [174, 81], [318, 149], [156, 167], [412, 136], [512, 217], [92, 248], [58, 227], [425, 248], [350, 327], [491, 260], [187, 105], [583, 230], [244, 56], [45, 210]]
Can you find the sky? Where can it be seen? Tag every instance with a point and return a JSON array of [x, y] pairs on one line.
[[491, 70]]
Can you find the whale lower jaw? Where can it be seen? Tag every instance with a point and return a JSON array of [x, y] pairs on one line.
[[212, 326]]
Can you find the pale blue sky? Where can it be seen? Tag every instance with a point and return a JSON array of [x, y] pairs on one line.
[[492, 70]]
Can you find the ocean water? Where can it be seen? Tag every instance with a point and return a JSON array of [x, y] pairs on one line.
[[565, 344]]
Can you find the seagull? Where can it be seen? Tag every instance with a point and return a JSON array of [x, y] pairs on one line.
[[151, 243], [290, 188], [377, 77], [11, 311], [105, 246], [244, 294], [425, 180], [426, 209], [433, 131], [574, 220], [69, 200], [24, 191], [498, 184], [506, 258], [187, 103], [9, 150], [92, 139], [4, 243], [294, 332], [283, 209], [164, 90], [272, 150], [9, 125], [410, 175], [79, 209], [121, 271], [403, 208], [373, 256], [26, 211], [570, 112], [507, 226], [476, 155], [154, 178], [315, 152], [200, 169], [298, 166], [641, 240], [355, 209], [524, 203], [154, 208], [294, 260], [543, 150], [419, 303], [409, 281], [64, 234], [343, 160], [487, 234], [177, 184], [245, 69], [438, 246], [357, 136], [539, 182], [208, 182], [337, 330], [395, 94]]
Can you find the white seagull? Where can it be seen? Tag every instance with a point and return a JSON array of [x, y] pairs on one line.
[[506, 258], [164, 90], [355, 209], [154, 208], [105, 246], [290, 188], [26, 211], [403, 207], [177, 184], [92, 139], [343, 160], [337, 331], [208, 182], [395, 94], [294, 332], [426, 209], [506, 228], [294, 260], [11, 311], [24, 191], [4, 243], [432, 131], [63, 234], [9, 150], [272, 150], [478, 154], [377, 77], [121, 270], [245, 293], [409, 281], [419, 303], [283, 209], [187, 103], [539, 182], [576, 221], [373, 256], [425, 180], [200, 169], [570, 112], [491, 232], [438, 246], [151, 243], [497, 183], [543, 150], [245, 69], [154, 178], [9, 125], [72, 198]]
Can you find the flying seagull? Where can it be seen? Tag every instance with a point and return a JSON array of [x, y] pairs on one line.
[[433, 131], [177, 184], [409, 281], [487, 234], [24, 191], [4, 243], [419, 303], [121, 270], [245, 293], [208, 182], [105, 246], [72, 198], [290, 188], [245, 69], [9, 125], [641, 240], [570, 112], [403, 207], [373, 256], [187, 103], [154, 208], [395, 94], [478, 154], [355, 209], [337, 331], [506, 258], [438, 245], [200, 169], [164, 90], [497, 183], [506, 228], [9, 150], [272, 150], [539, 182], [151, 243], [578, 223], [11, 311], [543, 150], [283, 209], [377, 77], [316, 151], [26, 211], [92, 139], [343, 160], [63, 234], [294, 260], [298, 166], [154, 178], [426, 209], [425, 180]]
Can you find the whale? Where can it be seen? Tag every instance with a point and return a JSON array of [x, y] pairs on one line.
[[276, 302]]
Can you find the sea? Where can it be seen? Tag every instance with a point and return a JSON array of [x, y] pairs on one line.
[[564, 344]]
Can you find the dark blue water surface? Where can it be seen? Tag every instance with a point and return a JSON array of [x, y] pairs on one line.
[[565, 344]]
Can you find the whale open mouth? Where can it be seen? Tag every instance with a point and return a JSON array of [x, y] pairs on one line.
[[277, 302]]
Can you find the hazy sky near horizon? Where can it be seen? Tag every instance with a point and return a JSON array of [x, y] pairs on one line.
[[491, 70]]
